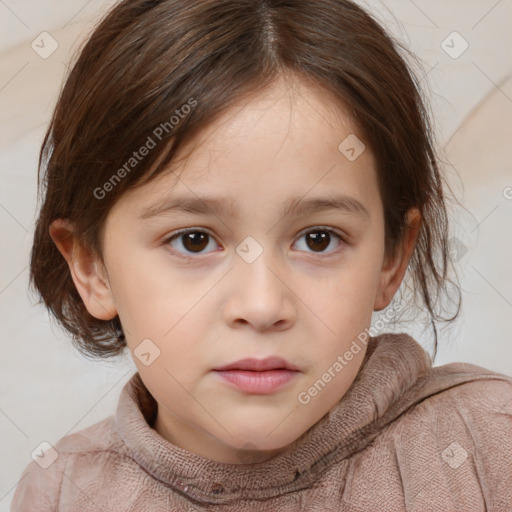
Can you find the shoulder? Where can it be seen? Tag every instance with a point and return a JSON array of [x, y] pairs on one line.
[[490, 395], [480, 413], [476, 400], [470, 393], [463, 433], [39, 486]]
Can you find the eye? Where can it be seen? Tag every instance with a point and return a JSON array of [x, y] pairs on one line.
[[320, 238], [194, 241]]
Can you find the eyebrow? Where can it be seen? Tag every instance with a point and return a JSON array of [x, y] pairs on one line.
[[228, 207]]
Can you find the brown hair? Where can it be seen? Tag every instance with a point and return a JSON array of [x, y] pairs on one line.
[[148, 59]]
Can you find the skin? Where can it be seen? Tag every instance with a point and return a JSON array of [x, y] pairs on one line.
[[305, 303]]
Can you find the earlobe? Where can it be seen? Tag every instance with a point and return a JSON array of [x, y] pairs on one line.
[[394, 268], [86, 271]]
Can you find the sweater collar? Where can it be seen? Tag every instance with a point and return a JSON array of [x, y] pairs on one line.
[[393, 363]]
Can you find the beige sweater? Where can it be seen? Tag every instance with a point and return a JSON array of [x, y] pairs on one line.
[[406, 436]]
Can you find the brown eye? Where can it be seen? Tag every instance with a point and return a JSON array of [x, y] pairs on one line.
[[319, 240], [191, 241], [195, 241]]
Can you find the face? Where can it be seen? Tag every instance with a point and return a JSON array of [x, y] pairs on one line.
[[287, 263]]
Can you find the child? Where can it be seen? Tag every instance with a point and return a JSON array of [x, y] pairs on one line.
[[198, 152]]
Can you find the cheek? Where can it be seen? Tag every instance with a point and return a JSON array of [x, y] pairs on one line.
[[172, 366], [346, 303], [356, 281], [366, 262], [144, 291]]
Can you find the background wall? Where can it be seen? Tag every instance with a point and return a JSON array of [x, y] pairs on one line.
[[48, 390]]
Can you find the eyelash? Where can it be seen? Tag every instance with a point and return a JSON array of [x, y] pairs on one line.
[[316, 229]]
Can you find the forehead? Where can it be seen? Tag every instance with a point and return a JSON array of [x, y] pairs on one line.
[[272, 148]]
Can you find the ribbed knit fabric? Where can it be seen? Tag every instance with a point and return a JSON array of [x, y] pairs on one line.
[[405, 436]]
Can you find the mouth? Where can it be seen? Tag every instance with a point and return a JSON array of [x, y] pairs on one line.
[[258, 376], [259, 365]]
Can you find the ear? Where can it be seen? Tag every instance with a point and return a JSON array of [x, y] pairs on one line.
[[394, 267], [87, 272]]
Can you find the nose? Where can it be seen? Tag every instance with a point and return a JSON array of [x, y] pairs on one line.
[[259, 295]]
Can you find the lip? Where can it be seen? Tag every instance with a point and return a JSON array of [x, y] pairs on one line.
[[258, 376], [259, 365]]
